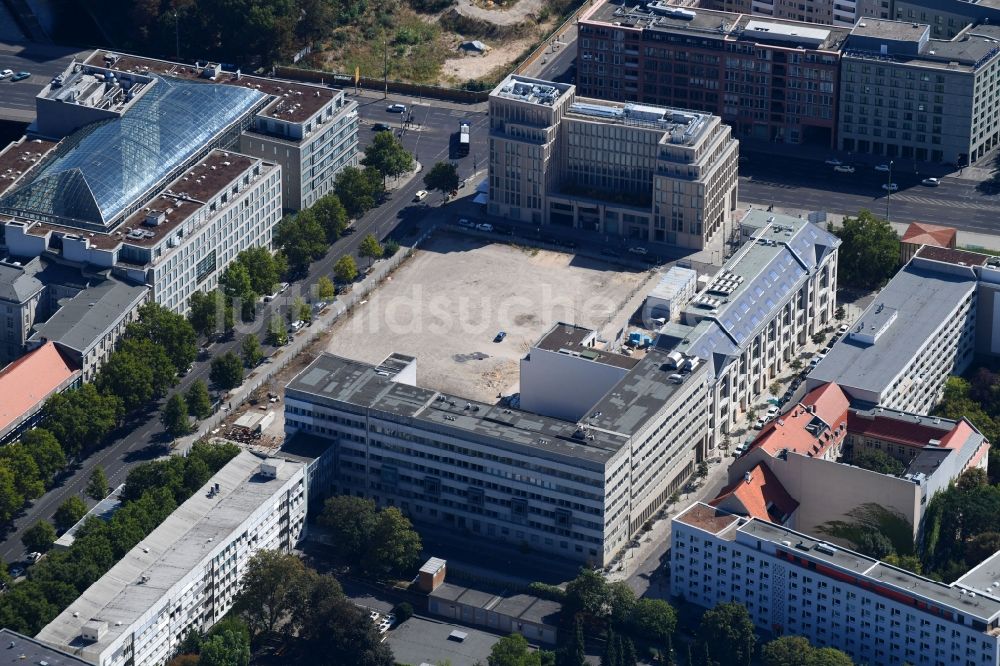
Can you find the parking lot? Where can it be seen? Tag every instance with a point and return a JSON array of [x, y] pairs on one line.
[[447, 303]]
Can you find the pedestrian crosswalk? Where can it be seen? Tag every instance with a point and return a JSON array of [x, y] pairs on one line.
[[928, 201]]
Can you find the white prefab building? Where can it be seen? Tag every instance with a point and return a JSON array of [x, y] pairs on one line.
[[674, 291], [185, 574], [793, 584]]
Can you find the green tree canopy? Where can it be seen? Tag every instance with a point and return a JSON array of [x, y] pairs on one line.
[[137, 373], [331, 215], [277, 332], [238, 288], [346, 269], [272, 585], [225, 648], [370, 248], [199, 403], [39, 537], [263, 268], [513, 650], [869, 251], [168, 330], [325, 289], [227, 371], [878, 461], [70, 511], [27, 478], [210, 313], [386, 155], [653, 619], [251, 351], [301, 239], [588, 593], [379, 541], [443, 176], [97, 484], [358, 189], [727, 632], [174, 416], [81, 419], [45, 450]]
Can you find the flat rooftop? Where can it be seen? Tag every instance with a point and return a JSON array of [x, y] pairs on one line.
[[18, 650], [966, 52], [531, 91], [902, 31], [19, 157], [870, 571], [199, 528], [718, 25], [708, 518], [984, 577], [293, 102], [575, 340], [525, 607], [922, 299], [681, 126], [80, 323], [341, 380]]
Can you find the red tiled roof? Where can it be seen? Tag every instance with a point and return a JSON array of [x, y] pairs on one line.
[[788, 432], [30, 380], [761, 495], [898, 430], [921, 233]]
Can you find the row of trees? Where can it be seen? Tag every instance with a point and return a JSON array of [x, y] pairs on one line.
[[181, 407], [152, 351], [281, 599], [152, 492]]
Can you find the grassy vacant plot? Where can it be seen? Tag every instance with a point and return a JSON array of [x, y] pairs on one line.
[[445, 305]]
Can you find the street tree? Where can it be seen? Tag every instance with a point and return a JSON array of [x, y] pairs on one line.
[[168, 330], [331, 215], [840, 314], [787, 651], [69, 512], [227, 371], [443, 176], [27, 478], [44, 448], [174, 416], [39, 537], [358, 189], [301, 310], [653, 619], [386, 155], [346, 269], [263, 268], [137, 373], [238, 288], [325, 289], [199, 403], [251, 351], [81, 419], [210, 313], [277, 333], [97, 484], [10, 500], [302, 239], [370, 249], [869, 251], [727, 631]]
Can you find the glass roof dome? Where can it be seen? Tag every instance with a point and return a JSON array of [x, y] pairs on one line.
[[101, 169]]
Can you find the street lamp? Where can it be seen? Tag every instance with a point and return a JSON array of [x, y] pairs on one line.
[[888, 194]]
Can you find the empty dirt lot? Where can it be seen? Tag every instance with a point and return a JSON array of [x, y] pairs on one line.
[[445, 305]]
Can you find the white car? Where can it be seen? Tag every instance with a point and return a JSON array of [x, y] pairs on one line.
[[467, 223], [637, 250], [843, 329], [6, 74], [485, 226], [833, 161], [930, 182], [882, 167], [297, 324], [843, 168], [420, 195], [890, 187]]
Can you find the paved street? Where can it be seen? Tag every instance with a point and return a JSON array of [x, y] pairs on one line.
[[17, 99]]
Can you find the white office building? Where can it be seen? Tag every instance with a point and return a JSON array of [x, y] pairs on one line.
[[185, 574], [793, 584]]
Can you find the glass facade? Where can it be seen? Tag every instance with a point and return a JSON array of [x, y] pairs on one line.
[[101, 170]]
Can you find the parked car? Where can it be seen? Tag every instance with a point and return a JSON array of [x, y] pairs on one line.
[[33, 557], [499, 337], [890, 187], [843, 168], [16, 571], [772, 411], [381, 127], [467, 223], [882, 167], [282, 287], [843, 329], [833, 161], [760, 423], [319, 307], [396, 108], [485, 226], [420, 195], [7, 73], [297, 324], [270, 297], [20, 76], [931, 182], [637, 250]]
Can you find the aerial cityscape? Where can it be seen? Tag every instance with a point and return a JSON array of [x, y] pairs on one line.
[[500, 333]]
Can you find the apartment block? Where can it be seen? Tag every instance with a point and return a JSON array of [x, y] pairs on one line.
[[648, 173], [794, 584], [921, 328], [185, 573], [770, 79], [842, 13], [908, 96], [798, 471], [577, 488], [756, 315]]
